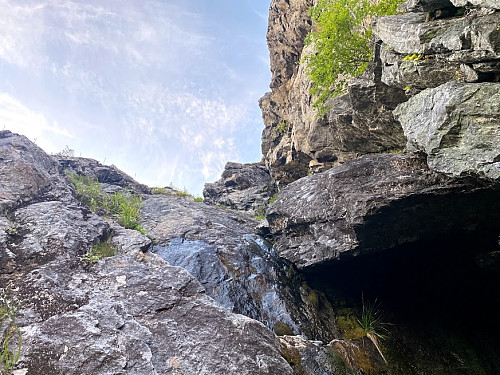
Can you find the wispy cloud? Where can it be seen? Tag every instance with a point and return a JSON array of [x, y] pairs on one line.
[[16, 117], [152, 86]]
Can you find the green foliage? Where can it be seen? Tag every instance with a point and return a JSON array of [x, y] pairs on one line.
[[282, 127], [8, 356], [159, 191], [260, 217], [88, 191], [372, 324], [100, 250], [198, 199], [273, 198], [341, 37], [11, 229], [174, 192], [414, 57], [124, 206]]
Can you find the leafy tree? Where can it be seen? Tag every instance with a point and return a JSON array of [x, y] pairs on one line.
[[341, 37]]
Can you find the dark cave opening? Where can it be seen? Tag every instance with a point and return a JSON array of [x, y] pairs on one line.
[[439, 296]]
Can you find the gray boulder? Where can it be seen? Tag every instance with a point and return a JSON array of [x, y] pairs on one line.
[[141, 318], [458, 126], [374, 203], [243, 187]]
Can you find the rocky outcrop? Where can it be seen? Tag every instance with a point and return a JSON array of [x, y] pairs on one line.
[[375, 203], [438, 42], [37, 174], [296, 141], [457, 125], [242, 187], [424, 50], [105, 174], [131, 313]]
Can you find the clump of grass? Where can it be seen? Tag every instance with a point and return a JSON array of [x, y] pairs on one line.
[[260, 217], [371, 323], [172, 192], [273, 198], [99, 251], [9, 356], [159, 191], [124, 206], [88, 191], [198, 199]]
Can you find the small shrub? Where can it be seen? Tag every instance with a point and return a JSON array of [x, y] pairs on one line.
[[342, 39], [198, 199], [282, 127], [260, 217]]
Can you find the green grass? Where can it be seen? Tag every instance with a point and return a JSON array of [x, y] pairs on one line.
[[198, 200], [8, 355], [99, 251], [371, 323], [125, 207]]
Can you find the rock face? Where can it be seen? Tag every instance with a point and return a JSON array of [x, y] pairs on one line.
[[295, 141], [420, 51], [237, 268], [374, 203], [127, 314], [243, 187], [107, 175], [37, 176], [440, 41], [457, 125]]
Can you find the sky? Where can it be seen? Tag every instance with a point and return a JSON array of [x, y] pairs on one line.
[[166, 90]]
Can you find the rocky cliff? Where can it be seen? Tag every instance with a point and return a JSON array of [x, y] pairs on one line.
[[380, 253]]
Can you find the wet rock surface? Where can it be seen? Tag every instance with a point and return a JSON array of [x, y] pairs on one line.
[[243, 187], [374, 203], [237, 268]]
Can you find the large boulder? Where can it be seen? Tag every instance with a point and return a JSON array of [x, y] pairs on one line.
[[243, 187], [374, 203], [458, 126]]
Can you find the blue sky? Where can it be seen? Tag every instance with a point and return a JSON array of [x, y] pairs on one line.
[[165, 90]]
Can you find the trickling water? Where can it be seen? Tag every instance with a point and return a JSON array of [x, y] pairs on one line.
[[245, 280]]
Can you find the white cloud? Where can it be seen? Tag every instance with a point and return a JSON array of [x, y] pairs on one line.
[[16, 117]]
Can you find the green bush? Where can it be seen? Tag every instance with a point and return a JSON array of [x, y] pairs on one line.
[[342, 39]]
